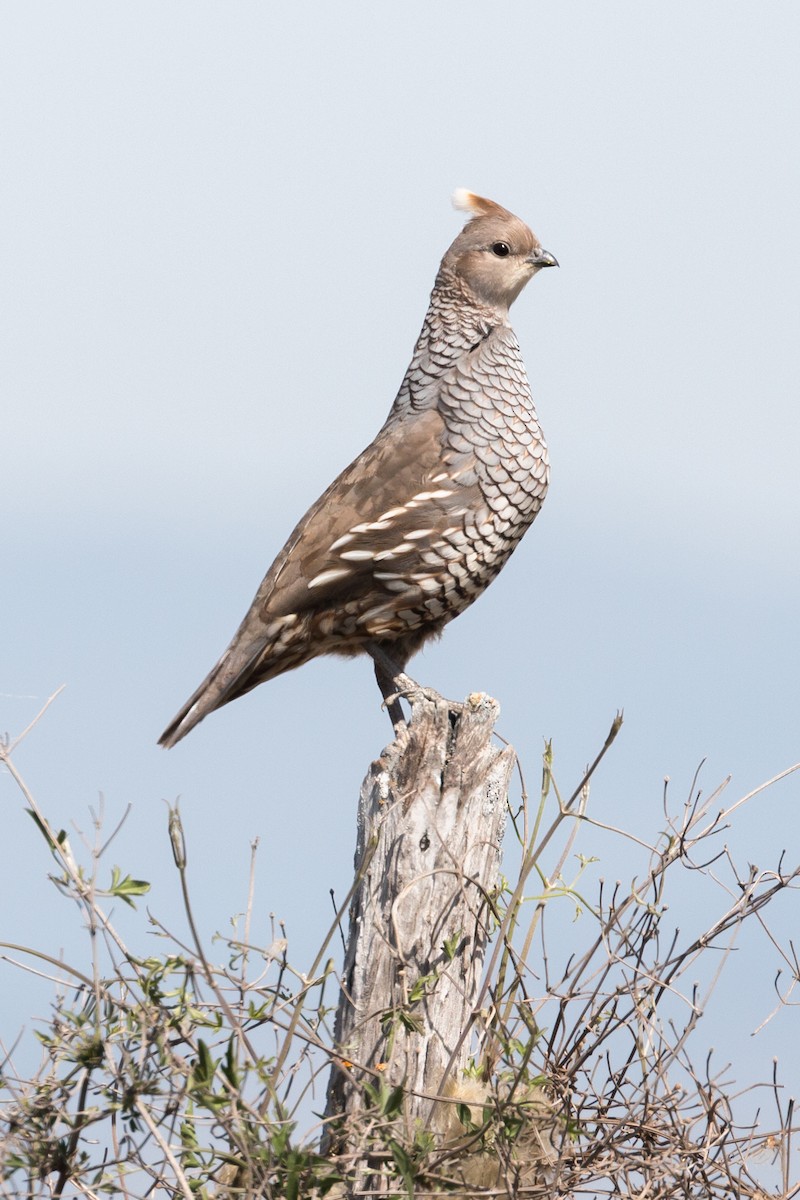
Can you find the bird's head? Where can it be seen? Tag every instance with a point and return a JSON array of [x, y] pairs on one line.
[[495, 254]]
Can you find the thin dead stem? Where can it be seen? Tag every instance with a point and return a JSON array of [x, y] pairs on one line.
[[177, 1073]]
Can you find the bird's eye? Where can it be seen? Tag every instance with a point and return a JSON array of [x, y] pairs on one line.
[[501, 249]]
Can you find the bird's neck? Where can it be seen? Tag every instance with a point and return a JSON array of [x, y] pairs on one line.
[[454, 301], [455, 324]]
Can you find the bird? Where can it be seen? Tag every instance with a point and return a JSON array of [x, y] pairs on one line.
[[419, 524]]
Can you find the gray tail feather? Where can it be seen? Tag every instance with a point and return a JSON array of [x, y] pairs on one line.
[[199, 704], [224, 682]]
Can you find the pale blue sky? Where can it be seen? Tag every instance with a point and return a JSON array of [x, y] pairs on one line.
[[222, 222]]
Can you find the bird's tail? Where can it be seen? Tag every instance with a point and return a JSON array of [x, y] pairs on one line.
[[203, 701], [247, 662]]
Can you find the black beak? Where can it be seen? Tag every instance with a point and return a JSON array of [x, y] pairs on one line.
[[543, 258]]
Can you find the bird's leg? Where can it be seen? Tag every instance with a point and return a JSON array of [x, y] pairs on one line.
[[394, 683], [391, 680], [391, 699]]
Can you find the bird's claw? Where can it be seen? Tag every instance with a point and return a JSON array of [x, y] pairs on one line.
[[408, 689]]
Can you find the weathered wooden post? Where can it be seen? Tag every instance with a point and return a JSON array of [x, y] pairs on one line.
[[431, 819]]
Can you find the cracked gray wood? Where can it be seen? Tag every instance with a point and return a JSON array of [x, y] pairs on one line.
[[432, 814]]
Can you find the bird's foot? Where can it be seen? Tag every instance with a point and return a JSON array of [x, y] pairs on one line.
[[408, 689], [396, 685]]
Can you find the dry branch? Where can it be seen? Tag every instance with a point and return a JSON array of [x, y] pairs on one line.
[[188, 1068]]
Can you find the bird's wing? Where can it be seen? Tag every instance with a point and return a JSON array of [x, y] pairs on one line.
[[404, 483]]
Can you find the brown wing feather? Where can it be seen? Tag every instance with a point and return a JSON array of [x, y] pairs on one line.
[[401, 463]]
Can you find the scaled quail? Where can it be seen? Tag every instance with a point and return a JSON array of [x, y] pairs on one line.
[[421, 522]]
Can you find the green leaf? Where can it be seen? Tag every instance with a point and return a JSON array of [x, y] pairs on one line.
[[393, 1102], [203, 1067], [450, 945], [125, 888], [420, 988], [410, 1022], [53, 839], [464, 1114], [229, 1069], [404, 1166]]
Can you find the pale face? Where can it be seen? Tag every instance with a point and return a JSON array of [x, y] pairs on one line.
[[497, 255]]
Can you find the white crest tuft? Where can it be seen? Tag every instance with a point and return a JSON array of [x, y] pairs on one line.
[[478, 206], [465, 200]]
